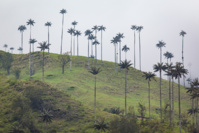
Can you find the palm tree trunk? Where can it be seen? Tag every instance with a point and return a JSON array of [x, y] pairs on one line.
[[22, 42], [120, 54], [95, 54], [101, 45], [43, 68], [115, 59], [125, 55], [62, 33], [161, 95], [30, 73], [95, 99], [160, 55], [74, 45], [170, 99], [48, 40], [179, 103], [183, 57], [149, 101], [88, 53], [71, 53], [140, 50], [91, 47], [77, 50], [197, 114], [125, 89], [193, 114], [173, 101], [134, 52]]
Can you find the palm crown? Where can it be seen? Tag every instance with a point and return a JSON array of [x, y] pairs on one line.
[[125, 48], [32, 41], [74, 23], [179, 70], [133, 27], [71, 31], [48, 24], [95, 70], [5, 45], [78, 33], [161, 44], [125, 64], [87, 32], [182, 33], [22, 28], [20, 49], [159, 67], [95, 28], [149, 76], [30, 22], [115, 40], [63, 11], [139, 28], [96, 42], [43, 45], [101, 28]]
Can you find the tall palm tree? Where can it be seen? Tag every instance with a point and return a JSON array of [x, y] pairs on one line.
[[179, 72], [5, 46], [63, 11], [182, 33], [95, 43], [88, 33], [22, 28], [125, 49], [160, 67], [168, 73], [101, 28], [95, 71], [139, 29], [31, 23], [134, 27], [160, 45], [115, 41], [46, 117], [92, 37], [149, 76], [43, 46], [74, 23], [125, 65], [166, 55], [71, 32], [95, 28], [48, 24], [20, 50], [31, 41], [78, 33], [11, 49], [120, 36]]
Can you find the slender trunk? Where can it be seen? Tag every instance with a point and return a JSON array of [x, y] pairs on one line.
[[48, 40], [71, 53], [140, 50], [43, 68], [95, 54], [120, 54], [134, 52], [101, 45], [74, 45], [62, 33], [125, 55], [170, 99], [30, 73], [161, 95], [77, 50], [173, 101], [149, 101], [125, 89], [88, 53], [22, 42], [197, 118], [183, 57], [160, 55], [115, 59], [95, 99], [193, 114], [92, 47], [179, 103]]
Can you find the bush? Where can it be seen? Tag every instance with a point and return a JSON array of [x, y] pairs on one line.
[[17, 72]]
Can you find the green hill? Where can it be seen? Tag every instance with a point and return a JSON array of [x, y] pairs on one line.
[[78, 84]]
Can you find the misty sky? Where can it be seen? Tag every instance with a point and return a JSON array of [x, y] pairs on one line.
[[161, 19]]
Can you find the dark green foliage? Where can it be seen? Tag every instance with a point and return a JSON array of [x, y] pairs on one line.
[[6, 61], [125, 64], [101, 125], [46, 115], [64, 59], [95, 70], [114, 110], [142, 111], [17, 72]]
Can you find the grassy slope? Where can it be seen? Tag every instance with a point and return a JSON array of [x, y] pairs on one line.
[[79, 83]]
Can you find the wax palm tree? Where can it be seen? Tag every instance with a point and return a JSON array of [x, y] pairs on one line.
[[43, 46], [101, 28], [11, 49], [48, 24], [91, 37], [20, 50], [101, 125], [120, 36], [134, 27], [95, 43], [139, 29], [78, 33], [166, 55], [168, 73], [30, 22], [114, 41], [170, 56], [31, 41], [88, 33], [46, 117], [95, 71], [71, 32], [74, 23], [125, 65], [179, 71], [5, 46], [149, 76], [95, 28], [160, 67], [22, 28], [182, 33], [63, 11], [160, 45], [125, 49]]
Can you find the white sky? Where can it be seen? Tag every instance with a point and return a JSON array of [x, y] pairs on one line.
[[161, 19]]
